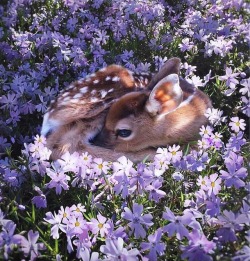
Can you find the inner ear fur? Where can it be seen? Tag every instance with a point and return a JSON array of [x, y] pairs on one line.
[[172, 66], [166, 96]]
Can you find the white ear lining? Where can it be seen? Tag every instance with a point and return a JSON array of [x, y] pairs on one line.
[[153, 106]]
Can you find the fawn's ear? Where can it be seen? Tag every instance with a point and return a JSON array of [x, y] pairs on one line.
[[171, 66], [165, 97]]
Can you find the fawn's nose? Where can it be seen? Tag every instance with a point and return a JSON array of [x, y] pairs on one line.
[[103, 139]]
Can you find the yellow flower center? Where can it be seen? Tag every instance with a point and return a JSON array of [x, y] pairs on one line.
[[77, 210], [100, 166], [64, 215], [237, 123], [173, 152], [100, 225], [212, 184], [203, 182], [77, 224]]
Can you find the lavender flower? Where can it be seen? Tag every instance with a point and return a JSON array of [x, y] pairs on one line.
[[30, 247], [114, 250], [155, 246], [137, 220]]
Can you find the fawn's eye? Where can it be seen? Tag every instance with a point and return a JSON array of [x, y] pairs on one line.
[[124, 133]]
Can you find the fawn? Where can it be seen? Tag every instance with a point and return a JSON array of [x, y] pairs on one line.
[[115, 112]]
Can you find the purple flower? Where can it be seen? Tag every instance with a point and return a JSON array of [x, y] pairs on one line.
[[230, 79], [243, 254], [8, 240], [114, 250], [59, 180], [99, 225], [234, 175], [231, 223], [154, 192], [137, 220], [176, 224], [199, 247], [237, 124], [30, 247], [155, 246], [55, 221]]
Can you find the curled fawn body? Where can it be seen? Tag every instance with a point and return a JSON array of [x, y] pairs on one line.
[[115, 112]]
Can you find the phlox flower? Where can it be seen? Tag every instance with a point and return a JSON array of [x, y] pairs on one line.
[[8, 240], [214, 116], [78, 209], [122, 185], [237, 124], [175, 153], [65, 214], [99, 166], [123, 166], [30, 247], [137, 220], [246, 105], [55, 221], [59, 180], [213, 205], [230, 79], [199, 247], [162, 159], [213, 186], [186, 45], [206, 131], [243, 254], [84, 253], [138, 179], [235, 142], [231, 223], [85, 158], [99, 225], [234, 175], [155, 246], [115, 233], [203, 182], [176, 225], [154, 192], [76, 225], [68, 162], [114, 250]]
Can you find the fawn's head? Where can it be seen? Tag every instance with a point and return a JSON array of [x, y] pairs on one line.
[[172, 112]]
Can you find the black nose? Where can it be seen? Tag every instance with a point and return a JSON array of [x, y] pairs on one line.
[[102, 139]]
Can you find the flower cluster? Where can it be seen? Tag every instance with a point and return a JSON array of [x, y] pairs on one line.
[[191, 202]]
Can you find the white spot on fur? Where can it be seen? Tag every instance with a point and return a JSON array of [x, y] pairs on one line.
[[94, 99], [93, 92], [92, 75], [84, 89], [107, 78], [111, 90], [96, 81], [115, 79], [78, 95], [65, 94], [103, 93], [66, 99]]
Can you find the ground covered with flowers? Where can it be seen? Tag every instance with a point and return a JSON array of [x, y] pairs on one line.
[[186, 204]]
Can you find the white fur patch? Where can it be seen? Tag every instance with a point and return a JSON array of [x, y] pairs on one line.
[[84, 89], [94, 99], [115, 79], [107, 78], [103, 93], [78, 95], [48, 124], [96, 81]]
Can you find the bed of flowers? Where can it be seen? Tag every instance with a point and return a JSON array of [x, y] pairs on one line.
[[186, 204]]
